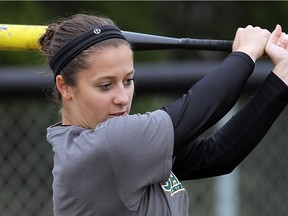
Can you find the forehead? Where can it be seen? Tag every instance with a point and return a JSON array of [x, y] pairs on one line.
[[110, 61]]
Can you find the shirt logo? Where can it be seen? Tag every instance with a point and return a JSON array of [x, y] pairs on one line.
[[173, 185]]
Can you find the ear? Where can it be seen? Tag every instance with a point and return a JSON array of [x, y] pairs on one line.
[[63, 87]]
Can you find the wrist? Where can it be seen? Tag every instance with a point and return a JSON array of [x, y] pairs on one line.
[[254, 56], [281, 70]]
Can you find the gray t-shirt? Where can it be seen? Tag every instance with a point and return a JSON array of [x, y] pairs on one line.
[[123, 167]]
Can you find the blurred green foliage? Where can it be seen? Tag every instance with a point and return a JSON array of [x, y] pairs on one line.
[[193, 19]]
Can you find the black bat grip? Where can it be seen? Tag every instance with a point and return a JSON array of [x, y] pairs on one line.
[[206, 44], [142, 42]]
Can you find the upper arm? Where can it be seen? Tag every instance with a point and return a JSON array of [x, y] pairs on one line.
[[140, 148]]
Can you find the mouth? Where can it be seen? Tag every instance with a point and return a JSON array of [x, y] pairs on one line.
[[118, 114]]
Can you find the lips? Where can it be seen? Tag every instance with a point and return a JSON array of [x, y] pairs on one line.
[[118, 114]]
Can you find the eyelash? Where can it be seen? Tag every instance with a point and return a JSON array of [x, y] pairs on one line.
[[107, 86], [129, 81]]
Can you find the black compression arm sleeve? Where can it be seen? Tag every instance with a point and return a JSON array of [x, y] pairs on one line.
[[209, 99], [222, 152]]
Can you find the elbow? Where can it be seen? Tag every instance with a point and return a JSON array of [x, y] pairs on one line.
[[214, 171], [226, 169]]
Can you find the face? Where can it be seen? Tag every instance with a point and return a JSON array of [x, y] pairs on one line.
[[104, 90]]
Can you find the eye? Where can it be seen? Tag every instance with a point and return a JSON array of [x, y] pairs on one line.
[[105, 86], [128, 82]]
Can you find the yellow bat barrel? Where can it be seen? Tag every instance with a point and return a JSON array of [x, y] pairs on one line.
[[20, 37]]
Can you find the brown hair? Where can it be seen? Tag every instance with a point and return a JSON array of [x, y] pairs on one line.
[[62, 31]]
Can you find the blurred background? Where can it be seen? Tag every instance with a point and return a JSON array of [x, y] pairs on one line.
[[257, 187]]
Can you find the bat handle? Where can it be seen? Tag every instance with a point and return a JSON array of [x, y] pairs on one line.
[[206, 44]]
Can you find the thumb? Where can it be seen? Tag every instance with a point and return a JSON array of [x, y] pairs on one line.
[[275, 34]]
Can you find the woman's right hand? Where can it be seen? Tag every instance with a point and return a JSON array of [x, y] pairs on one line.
[[251, 40], [277, 50]]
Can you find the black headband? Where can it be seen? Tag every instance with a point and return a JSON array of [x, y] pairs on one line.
[[80, 43]]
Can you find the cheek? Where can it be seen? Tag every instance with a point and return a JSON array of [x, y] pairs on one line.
[[132, 93], [91, 99], [97, 102]]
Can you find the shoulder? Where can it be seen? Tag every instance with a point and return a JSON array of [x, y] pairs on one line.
[[151, 127], [134, 133], [137, 123]]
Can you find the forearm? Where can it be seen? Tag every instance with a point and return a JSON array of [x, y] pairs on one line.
[[223, 151], [209, 99]]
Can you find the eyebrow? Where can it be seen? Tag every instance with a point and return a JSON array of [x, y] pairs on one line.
[[131, 72], [111, 77]]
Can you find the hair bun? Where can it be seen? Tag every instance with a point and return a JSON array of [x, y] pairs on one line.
[[46, 39]]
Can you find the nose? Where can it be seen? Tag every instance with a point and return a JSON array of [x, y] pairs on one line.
[[121, 96]]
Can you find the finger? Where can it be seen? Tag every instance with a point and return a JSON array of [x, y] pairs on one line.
[[284, 40], [249, 26], [279, 41], [276, 34]]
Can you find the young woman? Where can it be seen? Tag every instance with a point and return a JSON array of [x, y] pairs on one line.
[[108, 162]]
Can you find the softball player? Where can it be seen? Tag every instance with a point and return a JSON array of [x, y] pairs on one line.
[[108, 162]]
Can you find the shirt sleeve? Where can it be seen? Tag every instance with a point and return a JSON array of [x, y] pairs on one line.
[[221, 152], [209, 99], [140, 148]]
